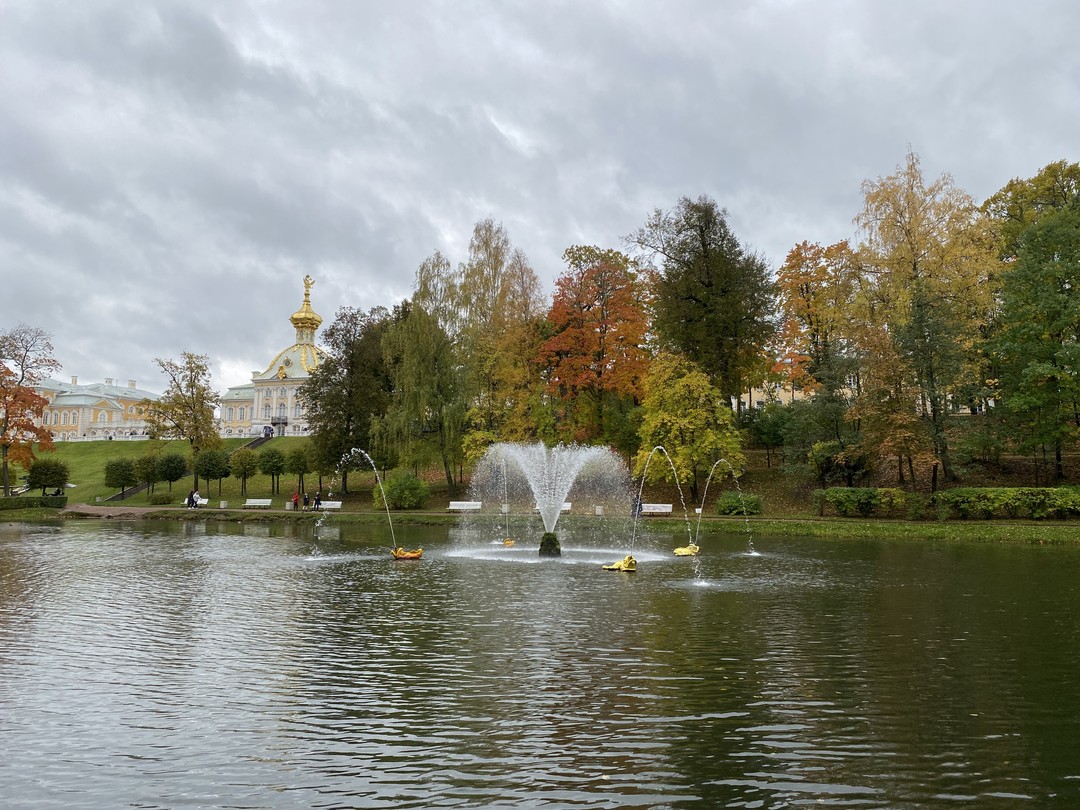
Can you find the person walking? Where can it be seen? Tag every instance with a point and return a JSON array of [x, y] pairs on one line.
[[306, 501], [318, 500], [295, 500]]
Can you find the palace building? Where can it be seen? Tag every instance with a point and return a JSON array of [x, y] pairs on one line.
[[95, 411], [271, 401]]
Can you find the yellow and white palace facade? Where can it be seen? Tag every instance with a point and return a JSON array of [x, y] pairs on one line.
[[269, 402]]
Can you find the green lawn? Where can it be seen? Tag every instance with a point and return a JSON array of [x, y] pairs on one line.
[[86, 463]]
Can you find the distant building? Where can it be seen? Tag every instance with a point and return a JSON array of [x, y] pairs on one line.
[[95, 411], [271, 401]]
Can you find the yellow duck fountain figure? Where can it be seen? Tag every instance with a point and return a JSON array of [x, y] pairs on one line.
[[627, 563], [687, 551]]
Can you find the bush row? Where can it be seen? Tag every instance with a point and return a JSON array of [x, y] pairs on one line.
[[961, 503], [34, 502]]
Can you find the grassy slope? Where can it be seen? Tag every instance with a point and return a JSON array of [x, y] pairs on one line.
[[86, 463]]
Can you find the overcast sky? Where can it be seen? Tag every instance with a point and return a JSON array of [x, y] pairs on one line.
[[170, 171]]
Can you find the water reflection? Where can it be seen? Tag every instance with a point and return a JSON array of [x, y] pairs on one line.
[[265, 666]]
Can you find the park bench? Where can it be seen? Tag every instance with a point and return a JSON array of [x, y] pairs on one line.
[[330, 505], [565, 507], [257, 503], [655, 509], [464, 506]]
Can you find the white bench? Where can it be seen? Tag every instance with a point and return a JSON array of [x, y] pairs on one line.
[[464, 506], [198, 502], [655, 509], [565, 507], [330, 505], [257, 503]]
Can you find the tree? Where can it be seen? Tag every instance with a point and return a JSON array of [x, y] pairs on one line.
[[186, 409], [298, 463], [426, 415], [212, 465], [146, 470], [272, 463], [350, 388], [714, 299], [25, 360], [929, 263], [596, 354], [1038, 342], [491, 308], [687, 416], [243, 464], [171, 468], [48, 473], [815, 287], [768, 428], [1021, 203], [120, 474]]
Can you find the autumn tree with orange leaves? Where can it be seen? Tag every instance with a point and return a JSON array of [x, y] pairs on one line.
[[25, 360], [596, 357]]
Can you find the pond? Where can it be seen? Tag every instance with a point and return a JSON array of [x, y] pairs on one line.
[[219, 665]]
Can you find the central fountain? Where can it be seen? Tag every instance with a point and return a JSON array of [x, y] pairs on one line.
[[535, 478]]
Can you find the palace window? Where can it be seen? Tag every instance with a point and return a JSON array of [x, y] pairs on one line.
[[229, 415], [266, 411], [241, 415]]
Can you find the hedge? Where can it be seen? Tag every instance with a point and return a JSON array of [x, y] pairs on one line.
[[862, 501], [988, 503], [961, 503], [34, 502]]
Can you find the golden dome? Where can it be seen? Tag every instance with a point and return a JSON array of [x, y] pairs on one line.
[[306, 318]]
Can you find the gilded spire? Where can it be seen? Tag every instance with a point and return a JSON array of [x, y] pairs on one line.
[[305, 319]]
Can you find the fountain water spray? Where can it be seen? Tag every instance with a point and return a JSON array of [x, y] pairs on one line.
[[742, 503], [347, 461], [641, 488], [534, 477]]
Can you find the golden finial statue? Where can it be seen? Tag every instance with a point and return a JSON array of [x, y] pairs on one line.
[[308, 284]]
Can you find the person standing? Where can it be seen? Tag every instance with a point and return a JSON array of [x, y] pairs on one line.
[[306, 501], [295, 500], [318, 500]]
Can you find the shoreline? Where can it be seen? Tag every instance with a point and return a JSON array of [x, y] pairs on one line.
[[986, 531]]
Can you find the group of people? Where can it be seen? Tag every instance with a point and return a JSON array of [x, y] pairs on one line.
[[308, 504], [193, 499]]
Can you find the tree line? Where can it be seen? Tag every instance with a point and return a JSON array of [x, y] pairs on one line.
[[944, 307], [945, 334]]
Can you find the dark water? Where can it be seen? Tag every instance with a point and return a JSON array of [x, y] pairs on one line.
[[172, 666]]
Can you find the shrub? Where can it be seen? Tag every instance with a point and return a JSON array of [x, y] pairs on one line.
[[403, 491], [987, 503], [861, 501], [33, 502], [160, 499], [737, 503]]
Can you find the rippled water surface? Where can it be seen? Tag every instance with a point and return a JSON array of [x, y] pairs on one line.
[[192, 665]]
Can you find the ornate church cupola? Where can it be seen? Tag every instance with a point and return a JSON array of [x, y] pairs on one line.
[[305, 319]]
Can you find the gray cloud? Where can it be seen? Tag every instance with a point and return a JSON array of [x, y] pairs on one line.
[[171, 170]]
